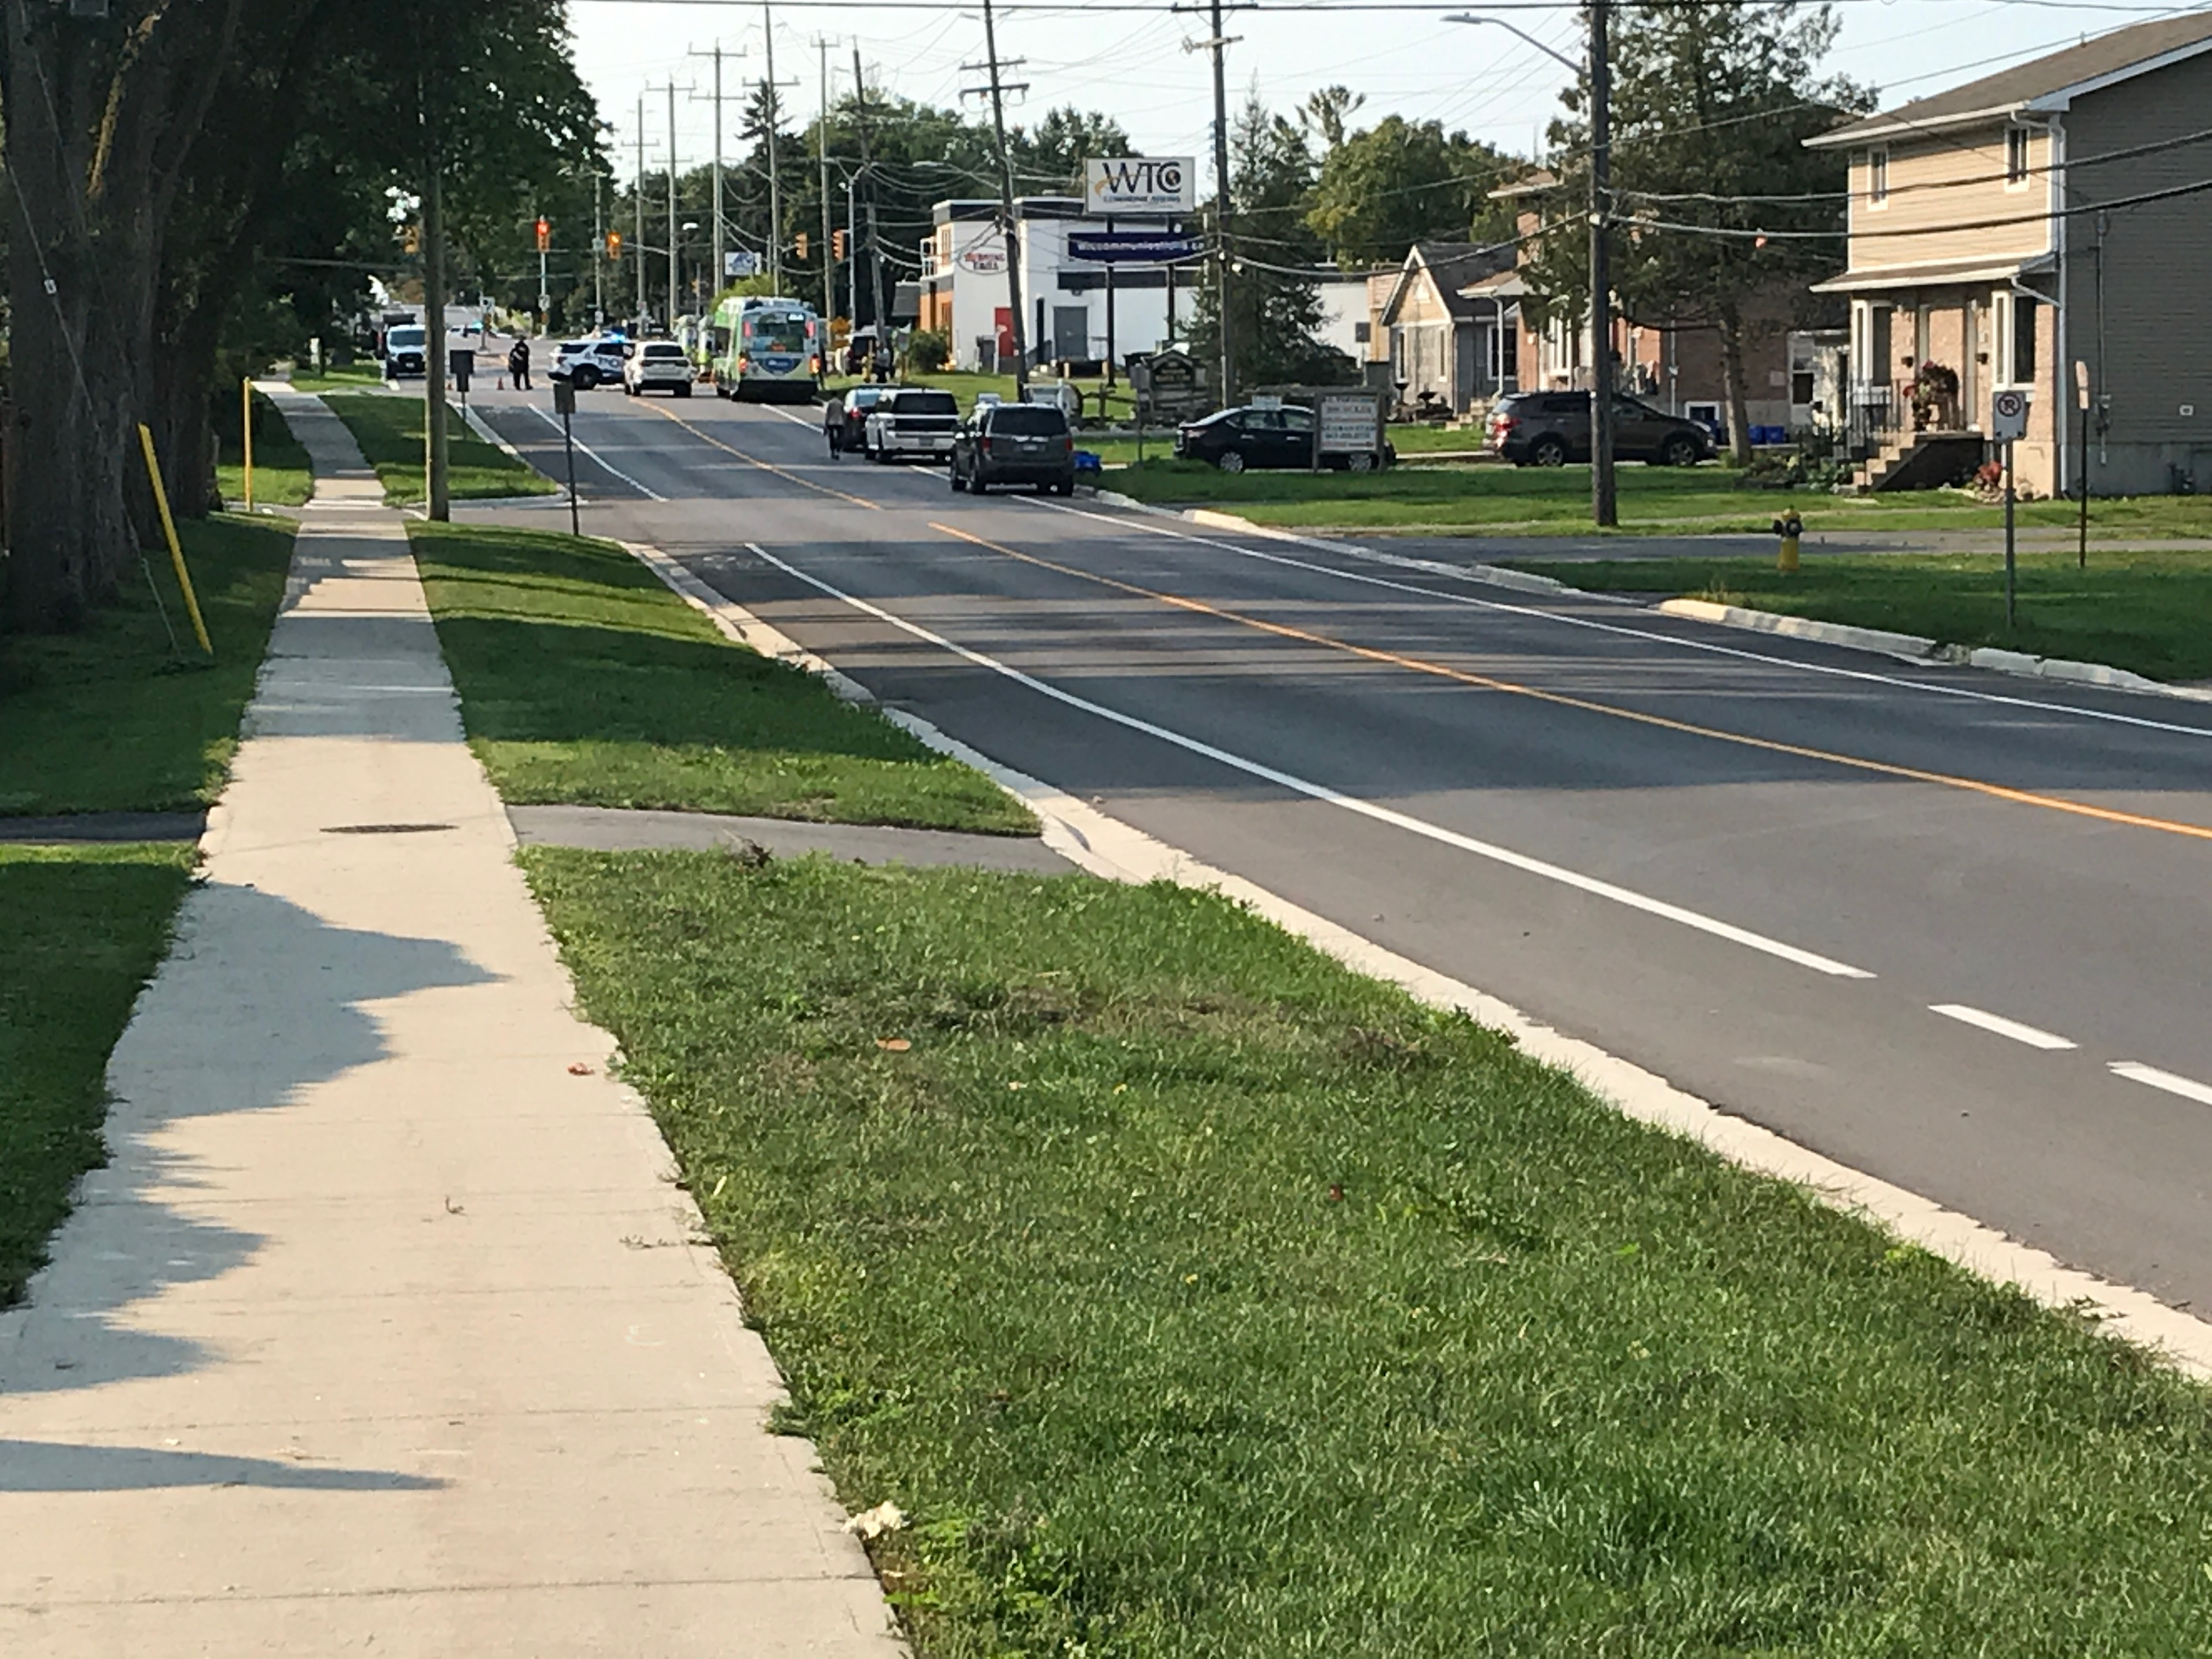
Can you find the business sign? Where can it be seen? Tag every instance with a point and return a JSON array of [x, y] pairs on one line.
[[1140, 184], [1108, 248], [986, 255], [2008, 415], [740, 262], [1348, 426]]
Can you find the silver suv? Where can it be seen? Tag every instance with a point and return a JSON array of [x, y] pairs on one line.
[[658, 365]]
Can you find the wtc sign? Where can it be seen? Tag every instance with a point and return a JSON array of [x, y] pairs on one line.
[[1140, 184], [2008, 415]]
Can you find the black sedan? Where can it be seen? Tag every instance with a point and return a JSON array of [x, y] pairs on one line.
[[1237, 439], [1550, 428], [845, 420], [1014, 444]]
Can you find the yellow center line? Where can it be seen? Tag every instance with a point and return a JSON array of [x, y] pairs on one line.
[[765, 466], [1490, 682]]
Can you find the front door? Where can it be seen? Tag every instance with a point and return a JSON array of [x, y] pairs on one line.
[[1071, 331]]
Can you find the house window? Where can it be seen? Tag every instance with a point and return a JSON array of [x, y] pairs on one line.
[[1362, 332], [1877, 178], [2015, 157], [2023, 340], [1505, 350]]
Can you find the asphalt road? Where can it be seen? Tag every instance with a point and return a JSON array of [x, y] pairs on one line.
[[1946, 927]]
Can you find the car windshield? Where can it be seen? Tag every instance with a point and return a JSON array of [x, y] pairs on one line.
[[575, 348], [1028, 420], [403, 337], [925, 403], [664, 353], [776, 330], [862, 396]]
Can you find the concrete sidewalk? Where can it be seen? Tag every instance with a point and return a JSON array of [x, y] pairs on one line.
[[384, 1330]]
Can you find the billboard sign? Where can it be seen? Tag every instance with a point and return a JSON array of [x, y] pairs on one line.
[[1140, 184], [1131, 247], [1348, 425], [740, 262]]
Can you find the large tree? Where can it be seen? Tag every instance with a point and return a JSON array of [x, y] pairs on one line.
[[1400, 182], [1275, 302], [1724, 216]]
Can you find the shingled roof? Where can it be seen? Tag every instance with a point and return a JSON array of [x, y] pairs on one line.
[[2043, 81]]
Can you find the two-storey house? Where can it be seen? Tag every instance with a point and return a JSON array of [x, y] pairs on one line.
[[2046, 228]]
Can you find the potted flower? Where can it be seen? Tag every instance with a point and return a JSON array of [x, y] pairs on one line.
[[1934, 393]]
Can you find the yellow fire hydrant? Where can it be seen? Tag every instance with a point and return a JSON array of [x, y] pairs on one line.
[[1788, 528]]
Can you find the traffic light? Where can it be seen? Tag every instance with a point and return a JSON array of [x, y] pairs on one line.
[[801, 245], [614, 244], [544, 235], [837, 243]]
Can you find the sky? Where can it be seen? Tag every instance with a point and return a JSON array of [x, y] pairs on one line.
[[1131, 64]]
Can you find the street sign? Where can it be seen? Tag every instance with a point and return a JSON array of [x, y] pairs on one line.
[[1131, 247], [1348, 425], [2081, 383], [2008, 415], [740, 262], [1140, 184]]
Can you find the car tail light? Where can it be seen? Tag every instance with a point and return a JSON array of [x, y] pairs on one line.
[[983, 443], [814, 363], [741, 361]]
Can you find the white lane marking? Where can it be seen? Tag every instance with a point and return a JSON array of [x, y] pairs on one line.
[[2188, 1088], [1319, 792], [1682, 642], [2033, 1037], [598, 459]]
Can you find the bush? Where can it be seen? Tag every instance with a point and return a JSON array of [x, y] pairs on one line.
[[928, 350]]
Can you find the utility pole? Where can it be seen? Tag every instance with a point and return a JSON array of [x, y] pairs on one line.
[[875, 236], [821, 151], [668, 322], [599, 248], [774, 169], [434, 289], [720, 237], [997, 90], [1604, 505], [637, 201], [1219, 43]]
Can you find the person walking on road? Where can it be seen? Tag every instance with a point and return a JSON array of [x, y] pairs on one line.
[[518, 363]]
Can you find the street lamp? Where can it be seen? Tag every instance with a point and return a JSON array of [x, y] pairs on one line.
[[1604, 507], [689, 225]]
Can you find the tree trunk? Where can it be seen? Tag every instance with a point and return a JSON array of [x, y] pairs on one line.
[[1739, 416]]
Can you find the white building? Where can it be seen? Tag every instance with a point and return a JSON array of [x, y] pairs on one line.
[[964, 292]]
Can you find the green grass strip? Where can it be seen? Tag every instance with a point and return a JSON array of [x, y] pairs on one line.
[[388, 426], [1196, 1296], [2144, 611], [108, 718], [584, 680], [84, 927], [283, 476]]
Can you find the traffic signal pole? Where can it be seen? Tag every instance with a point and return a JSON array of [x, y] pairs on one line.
[[1604, 504]]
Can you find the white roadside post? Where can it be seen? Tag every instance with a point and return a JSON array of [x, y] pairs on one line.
[[2009, 424]]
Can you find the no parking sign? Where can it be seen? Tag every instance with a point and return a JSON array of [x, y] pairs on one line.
[[2008, 415]]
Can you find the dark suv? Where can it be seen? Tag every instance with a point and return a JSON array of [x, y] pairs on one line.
[[1550, 428], [1014, 444]]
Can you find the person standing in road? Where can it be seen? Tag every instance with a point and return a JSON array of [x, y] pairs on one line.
[[518, 363]]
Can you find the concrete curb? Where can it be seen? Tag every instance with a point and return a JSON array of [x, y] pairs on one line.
[[1105, 846]]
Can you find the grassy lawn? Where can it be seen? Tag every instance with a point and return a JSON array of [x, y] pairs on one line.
[[108, 720], [1531, 500], [2145, 611], [1193, 1296], [584, 680], [85, 928], [389, 430], [283, 475], [336, 377]]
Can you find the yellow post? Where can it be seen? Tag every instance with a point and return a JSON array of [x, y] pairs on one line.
[[246, 430], [176, 547]]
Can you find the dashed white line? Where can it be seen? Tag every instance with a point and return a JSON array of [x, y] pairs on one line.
[[2188, 1088], [598, 459], [1319, 792], [2032, 1035]]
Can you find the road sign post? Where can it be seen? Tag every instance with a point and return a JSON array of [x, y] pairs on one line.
[[564, 405], [2081, 472], [2008, 425]]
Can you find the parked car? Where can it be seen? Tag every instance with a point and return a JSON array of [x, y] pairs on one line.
[[658, 365], [406, 351], [1550, 428], [588, 363], [1002, 443], [912, 420], [845, 420], [1237, 439]]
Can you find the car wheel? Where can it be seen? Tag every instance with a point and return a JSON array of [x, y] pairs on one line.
[[1548, 452], [585, 379], [1067, 486], [1231, 460], [1681, 450], [683, 388], [977, 487], [1361, 461]]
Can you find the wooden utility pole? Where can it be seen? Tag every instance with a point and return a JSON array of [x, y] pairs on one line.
[[822, 153], [876, 299], [668, 322], [1220, 44], [997, 90], [637, 201], [1604, 505], [434, 290]]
